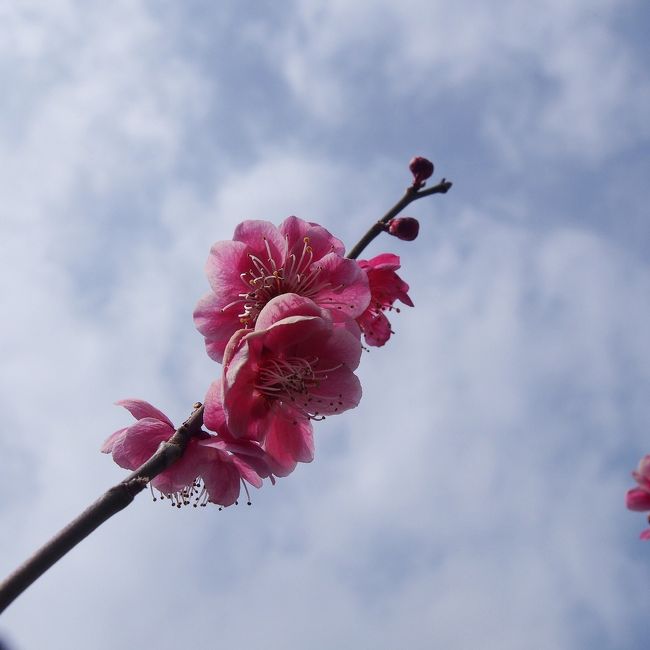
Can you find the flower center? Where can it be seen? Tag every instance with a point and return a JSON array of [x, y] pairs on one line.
[[294, 381], [267, 279]]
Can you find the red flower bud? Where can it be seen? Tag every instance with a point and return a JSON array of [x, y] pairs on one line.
[[421, 168], [406, 228]]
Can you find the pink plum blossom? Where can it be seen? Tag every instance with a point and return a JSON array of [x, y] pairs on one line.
[[385, 288], [211, 468], [295, 366], [263, 261], [638, 499]]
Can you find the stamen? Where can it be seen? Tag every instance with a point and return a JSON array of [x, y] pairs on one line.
[[267, 279], [268, 252], [248, 496], [296, 380]]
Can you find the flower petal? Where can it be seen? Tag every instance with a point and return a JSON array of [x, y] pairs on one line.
[[383, 261], [321, 241], [140, 409], [348, 290], [244, 407], [110, 442], [286, 306], [140, 442], [214, 417], [216, 325], [376, 328], [338, 392], [226, 262], [257, 234], [222, 481], [288, 442]]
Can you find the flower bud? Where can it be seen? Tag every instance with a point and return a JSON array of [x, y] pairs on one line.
[[406, 228], [421, 168]]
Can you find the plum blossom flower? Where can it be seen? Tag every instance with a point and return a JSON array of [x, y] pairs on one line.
[[295, 366], [385, 288], [212, 468], [638, 499], [263, 261]]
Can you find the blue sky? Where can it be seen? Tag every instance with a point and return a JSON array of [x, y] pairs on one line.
[[475, 497]]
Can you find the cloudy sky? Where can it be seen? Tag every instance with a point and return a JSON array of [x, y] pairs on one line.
[[475, 497]]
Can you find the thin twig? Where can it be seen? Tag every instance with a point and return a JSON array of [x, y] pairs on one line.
[[411, 194], [110, 503]]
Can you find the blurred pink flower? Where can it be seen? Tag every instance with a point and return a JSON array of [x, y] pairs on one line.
[[385, 288], [263, 261], [212, 468], [638, 499], [294, 367]]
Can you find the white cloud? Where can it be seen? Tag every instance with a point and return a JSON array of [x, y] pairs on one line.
[[554, 79]]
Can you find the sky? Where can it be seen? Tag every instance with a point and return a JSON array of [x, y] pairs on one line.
[[475, 498]]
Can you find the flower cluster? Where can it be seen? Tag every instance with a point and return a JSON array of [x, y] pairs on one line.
[[211, 468], [284, 317]]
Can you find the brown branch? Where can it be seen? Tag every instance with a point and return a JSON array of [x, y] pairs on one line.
[[411, 194], [110, 503]]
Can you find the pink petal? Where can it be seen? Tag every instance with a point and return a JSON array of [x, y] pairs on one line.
[[110, 442], [227, 260], [383, 261], [140, 409], [285, 306], [340, 391], [291, 336], [222, 481], [289, 440], [214, 416], [375, 327], [216, 325], [256, 234], [234, 344], [321, 240], [351, 326], [237, 446], [249, 472], [245, 407], [645, 535], [341, 346], [140, 442], [638, 500], [348, 291], [386, 287], [245, 453]]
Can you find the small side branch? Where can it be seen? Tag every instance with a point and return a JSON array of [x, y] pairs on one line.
[[411, 194], [110, 503]]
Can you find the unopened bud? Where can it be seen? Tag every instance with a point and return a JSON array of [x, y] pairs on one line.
[[406, 228], [421, 168]]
